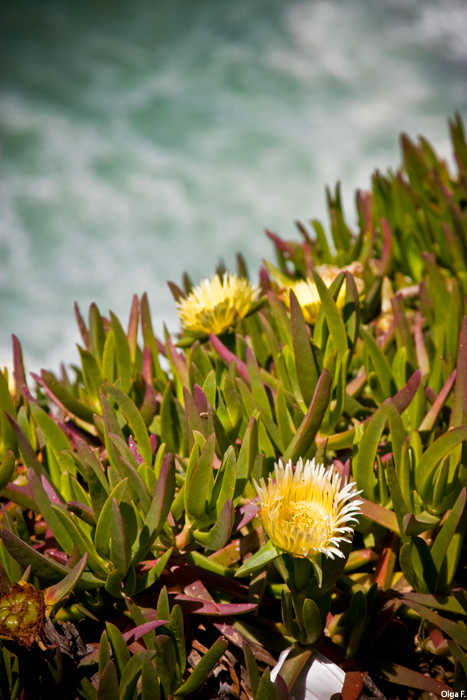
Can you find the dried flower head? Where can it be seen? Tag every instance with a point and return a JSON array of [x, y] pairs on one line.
[[216, 304], [22, 614], [305, 512]]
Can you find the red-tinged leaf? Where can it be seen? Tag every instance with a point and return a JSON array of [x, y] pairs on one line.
[[430, 418], [308, 429], [459, 402], [138, 632], [196, 606], [18, 367], [82, 326], [150, 341], [404, 397], [294, 664], [160, 506], [191, 584], [407, 677], [27, 453], [193, 418], [228, 356], [43, 501], [447, 603], [21, 495], [282, 692], [134, 450], [179, 363], [383, 516], [285, 246], [54, 594], [62, 398], [177, 293], [455, 631], [244, 515], [235, 636], [108, 683], [385, 567], [132, 333], [359, 558]]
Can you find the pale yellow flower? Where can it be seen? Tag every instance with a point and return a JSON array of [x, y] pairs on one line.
[[215, 305], [307, 512], [307, 292]]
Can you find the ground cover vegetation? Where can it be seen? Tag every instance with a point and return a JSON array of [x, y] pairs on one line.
[[289, 471]]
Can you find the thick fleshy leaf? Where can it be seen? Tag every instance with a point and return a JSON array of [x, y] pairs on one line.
[[430, 460], [104, 523], [122, 354], [246, 457], [54, 594], [333, 316], [307, 371], [228, 357], [47, 569], [408, 677], [82, 542], [108, 683], [150, 686], [363, 466], [62, 397], [382, 516], [311, 423], [27, 453], [159, 510], [135, 421], [198, 480], [44, 503], [459, 403], [219, 534], [380, 364], [203, 668], [294, 664], [119, 647], [266, 554], [7, 468]]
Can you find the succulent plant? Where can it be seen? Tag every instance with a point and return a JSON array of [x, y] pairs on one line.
[[153, 546]]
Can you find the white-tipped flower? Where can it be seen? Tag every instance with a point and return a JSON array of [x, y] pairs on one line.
[[216, 304], [306, 512]]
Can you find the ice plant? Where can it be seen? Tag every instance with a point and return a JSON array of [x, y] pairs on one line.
[[306, 512], [216, 304]]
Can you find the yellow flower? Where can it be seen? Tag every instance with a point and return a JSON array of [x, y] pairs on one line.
[[307, 292], [215, 305], [307, 512]]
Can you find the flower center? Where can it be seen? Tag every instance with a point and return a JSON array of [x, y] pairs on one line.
[[304, 515]]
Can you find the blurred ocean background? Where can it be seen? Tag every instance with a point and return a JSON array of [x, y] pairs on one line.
[[142, 138]]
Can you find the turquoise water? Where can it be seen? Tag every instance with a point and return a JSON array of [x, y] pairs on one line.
[[144, 138]]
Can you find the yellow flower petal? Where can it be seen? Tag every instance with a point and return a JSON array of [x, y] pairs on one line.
[[306, 511], [215, 305]]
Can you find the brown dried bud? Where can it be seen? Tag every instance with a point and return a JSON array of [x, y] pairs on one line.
[[22, 614]]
